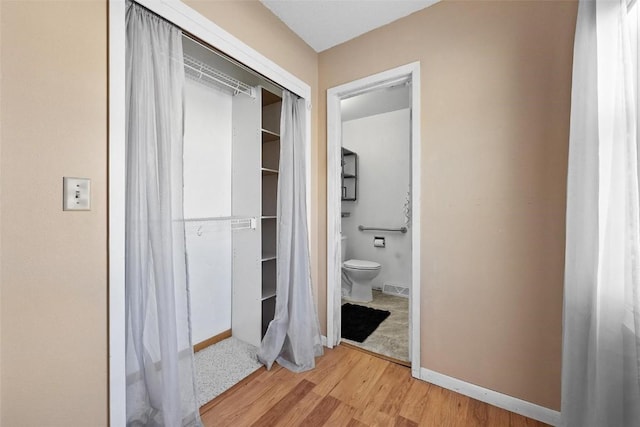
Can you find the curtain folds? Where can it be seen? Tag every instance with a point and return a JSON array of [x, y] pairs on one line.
[[293, 336], [601, 341], [159, 357]]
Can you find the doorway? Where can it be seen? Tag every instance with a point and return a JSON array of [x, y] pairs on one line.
[[348, 205]]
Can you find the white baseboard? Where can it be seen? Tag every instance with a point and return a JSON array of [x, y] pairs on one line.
[[324, 340], [491, 397]]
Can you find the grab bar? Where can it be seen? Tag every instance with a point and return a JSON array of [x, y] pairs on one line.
[[363, 228]]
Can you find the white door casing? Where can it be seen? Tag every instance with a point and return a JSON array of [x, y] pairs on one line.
[[334, 145]]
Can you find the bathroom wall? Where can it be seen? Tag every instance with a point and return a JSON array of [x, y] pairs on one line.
[[382, 143], [207, 194]]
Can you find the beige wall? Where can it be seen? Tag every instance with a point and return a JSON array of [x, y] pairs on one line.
[[54, 264], [0, 214], [495, 84], [496, 80]]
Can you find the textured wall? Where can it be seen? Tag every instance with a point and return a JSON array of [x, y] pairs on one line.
[[54, 263], [496, 82]]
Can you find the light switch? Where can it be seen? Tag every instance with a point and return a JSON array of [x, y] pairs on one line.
[[76, 194]]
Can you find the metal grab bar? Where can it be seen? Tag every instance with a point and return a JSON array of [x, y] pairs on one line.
[[363, 228]]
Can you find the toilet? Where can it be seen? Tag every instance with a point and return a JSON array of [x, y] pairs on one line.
[[360, 273]]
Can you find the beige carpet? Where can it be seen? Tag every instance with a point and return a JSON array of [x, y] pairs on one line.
[[392, 336], [221, 366]]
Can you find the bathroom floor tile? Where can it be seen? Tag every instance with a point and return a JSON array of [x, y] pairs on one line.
[[391, 338]]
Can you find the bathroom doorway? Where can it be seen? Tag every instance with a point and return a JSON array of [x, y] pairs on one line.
[[373, 207]]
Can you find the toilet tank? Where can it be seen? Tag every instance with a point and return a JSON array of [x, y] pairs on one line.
[[343, 248]]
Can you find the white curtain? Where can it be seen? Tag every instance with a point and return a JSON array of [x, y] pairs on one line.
[[160, 385], [601, 342], [293, 336]]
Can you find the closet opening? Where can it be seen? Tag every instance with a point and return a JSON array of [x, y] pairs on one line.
[[231, 168]]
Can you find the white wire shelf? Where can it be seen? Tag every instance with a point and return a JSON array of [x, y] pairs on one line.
[[200, 71]]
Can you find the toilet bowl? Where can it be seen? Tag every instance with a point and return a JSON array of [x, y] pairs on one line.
[[361, 273]]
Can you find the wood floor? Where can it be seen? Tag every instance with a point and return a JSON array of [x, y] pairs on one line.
[[349, 388]]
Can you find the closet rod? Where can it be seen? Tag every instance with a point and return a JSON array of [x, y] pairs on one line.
[[201, 71], [213, 50], [213, 218]]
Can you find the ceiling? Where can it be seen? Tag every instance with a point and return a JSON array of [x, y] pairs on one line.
[[376, 102], [323, 24]]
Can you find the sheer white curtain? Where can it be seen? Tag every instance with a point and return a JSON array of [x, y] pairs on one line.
[[601, 348], [293, 336], [160, 386]]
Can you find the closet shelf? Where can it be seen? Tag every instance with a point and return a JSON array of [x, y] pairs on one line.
[[267, 171], [269, 98], [269, 295], [268, 217], [268, 257], [198, 70], [269, 136]]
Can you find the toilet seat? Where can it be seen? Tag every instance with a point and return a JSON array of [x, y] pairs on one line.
[[358, 264]]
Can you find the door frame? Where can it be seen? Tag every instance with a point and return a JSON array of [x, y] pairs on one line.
[[334, 144], [192, 22]]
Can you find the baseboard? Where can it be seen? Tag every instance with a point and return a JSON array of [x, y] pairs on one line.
[[213, 340], [324, 340], [491, 397]]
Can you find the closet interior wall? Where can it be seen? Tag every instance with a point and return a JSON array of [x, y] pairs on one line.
[[231, 166]]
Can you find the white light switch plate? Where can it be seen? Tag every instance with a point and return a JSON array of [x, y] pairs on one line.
[[76, 194]]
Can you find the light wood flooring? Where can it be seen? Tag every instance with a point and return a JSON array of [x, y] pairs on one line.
[[349, 388]]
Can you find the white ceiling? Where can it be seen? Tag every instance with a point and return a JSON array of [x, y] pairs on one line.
[[323, 24], [376, 102]]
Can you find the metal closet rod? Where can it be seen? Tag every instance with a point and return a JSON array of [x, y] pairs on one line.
[[233, 61], [200, 70]]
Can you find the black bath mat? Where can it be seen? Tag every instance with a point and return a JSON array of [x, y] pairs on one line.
[[358, 322]]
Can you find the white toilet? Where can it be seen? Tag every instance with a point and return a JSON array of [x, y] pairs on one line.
[[360, 273]]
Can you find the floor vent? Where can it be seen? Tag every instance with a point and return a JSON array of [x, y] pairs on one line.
[[397, 290]]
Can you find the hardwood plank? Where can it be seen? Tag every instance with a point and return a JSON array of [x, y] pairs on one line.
[[342, 416], [517, 420], [477, 414], [403, 422], [332, 369], [355, 423], [445, 408], [356, 385], [497, 416], [398, 393], [415, 401], [245, 408], [284, 405], [322, 412], [349, 388], [391, 377], [301, 410]]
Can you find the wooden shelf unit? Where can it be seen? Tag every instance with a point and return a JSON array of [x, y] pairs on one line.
[[270, 166]]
